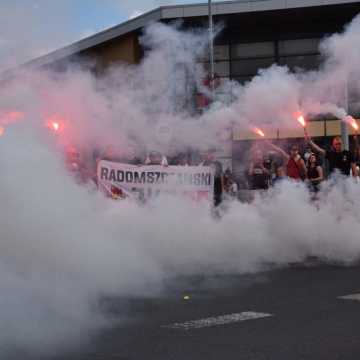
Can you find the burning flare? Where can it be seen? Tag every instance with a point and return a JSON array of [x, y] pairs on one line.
[[55, 126], [258, 132], [300, 118], [55, 123], [352, 122], [2, 130]]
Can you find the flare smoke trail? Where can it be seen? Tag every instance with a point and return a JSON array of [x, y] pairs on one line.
[[63, 246]]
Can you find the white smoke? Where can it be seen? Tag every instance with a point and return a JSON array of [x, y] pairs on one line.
[[63, 246]]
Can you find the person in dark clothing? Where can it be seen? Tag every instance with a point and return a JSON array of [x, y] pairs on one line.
[[258, 174], [339, 159], [315, 173], [181, 160], [357, 161], [218, 176], [156, 158], [357, 155]]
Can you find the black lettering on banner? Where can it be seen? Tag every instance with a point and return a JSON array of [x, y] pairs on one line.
[[112, 176], [129, 176], [120, 175], [104, 173], [158, 174], [197, 179], [205, 179], [150, 177], [139, 179]]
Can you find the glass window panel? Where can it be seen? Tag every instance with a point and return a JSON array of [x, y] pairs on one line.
[[260, 49], [222, 68], [308, 62], [250, 66], [243, 79], [221, 52], [299, 46]]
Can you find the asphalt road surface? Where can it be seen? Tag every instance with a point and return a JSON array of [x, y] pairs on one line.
[[287, 314]]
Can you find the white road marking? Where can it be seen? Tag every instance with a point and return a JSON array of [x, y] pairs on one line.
[[355, 297], [218, 320]]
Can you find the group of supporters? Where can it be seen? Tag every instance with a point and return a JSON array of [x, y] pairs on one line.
[[267, 166], [84, 169], [265, 170]]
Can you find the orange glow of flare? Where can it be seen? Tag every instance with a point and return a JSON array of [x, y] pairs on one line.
[[352, 122], [301, 120], [55, 123], [55, 126], [259, 132], [15, 115], [2, 130], [11, 116]]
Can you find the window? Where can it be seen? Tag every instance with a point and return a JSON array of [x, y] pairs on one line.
[[221, 52], [250, 66], [306, 62], [221, 68], [299, 47], [251, 50]]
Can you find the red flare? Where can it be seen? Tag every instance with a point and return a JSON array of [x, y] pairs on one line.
[[2, 130], [300, 118], [258, 132], [352, 122], [55, 126], [55, 123]]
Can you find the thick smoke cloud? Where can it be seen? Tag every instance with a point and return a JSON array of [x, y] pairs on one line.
[[63, 246]]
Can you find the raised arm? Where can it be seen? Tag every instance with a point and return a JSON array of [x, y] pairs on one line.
[[316, 148], [278, 149]]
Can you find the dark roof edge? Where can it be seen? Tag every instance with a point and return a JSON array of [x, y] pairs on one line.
[[173, 12], [96, 39]]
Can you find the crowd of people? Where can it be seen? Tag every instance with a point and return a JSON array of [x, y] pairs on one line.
[[85, 168], [267, 165], [312, 166]]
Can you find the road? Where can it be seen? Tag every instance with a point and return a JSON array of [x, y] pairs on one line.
[[285, 314]]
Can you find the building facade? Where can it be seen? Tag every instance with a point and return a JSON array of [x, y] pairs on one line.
[[255, 34]]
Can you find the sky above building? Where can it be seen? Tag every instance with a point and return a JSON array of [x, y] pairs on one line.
[[30, 28]]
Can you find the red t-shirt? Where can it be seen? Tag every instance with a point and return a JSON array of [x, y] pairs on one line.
[[293, 169]]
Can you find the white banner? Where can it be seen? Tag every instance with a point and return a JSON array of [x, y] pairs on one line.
[[142, 182]]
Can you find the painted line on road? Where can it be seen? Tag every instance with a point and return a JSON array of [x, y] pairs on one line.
[[354, 297], [219, 320]]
